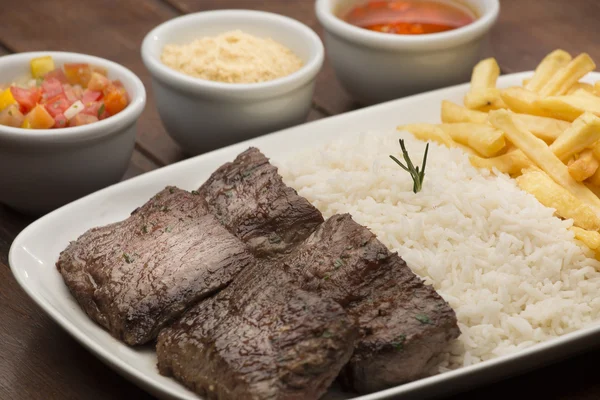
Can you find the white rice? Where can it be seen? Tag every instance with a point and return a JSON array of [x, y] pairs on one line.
[[512, 271]]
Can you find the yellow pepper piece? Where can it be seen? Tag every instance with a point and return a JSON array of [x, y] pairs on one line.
[[41, 66], [6, 99], [26, 124]]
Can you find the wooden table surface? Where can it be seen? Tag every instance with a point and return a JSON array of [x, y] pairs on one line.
[[38, 360]]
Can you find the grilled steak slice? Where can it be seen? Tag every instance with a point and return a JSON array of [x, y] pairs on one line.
[[249, 197], [260, 338], [135, 276], [403, 323]]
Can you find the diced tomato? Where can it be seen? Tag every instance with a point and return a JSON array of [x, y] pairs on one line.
[[27, 98], [98, 82], [69, 93], [51, 87], [78, 91], [39, 118], [90, 96], [60, 121], [82, 119], [78, 74], [57, 105], [97, 109], [57, 73], [115, 100]]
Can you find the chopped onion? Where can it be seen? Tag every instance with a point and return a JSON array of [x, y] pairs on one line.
[[75, 109]]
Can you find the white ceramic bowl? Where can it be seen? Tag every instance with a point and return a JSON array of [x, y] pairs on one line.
[[375, 67], [202, 115], [42, 169]]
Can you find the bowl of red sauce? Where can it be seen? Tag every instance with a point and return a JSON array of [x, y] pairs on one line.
[[67, 127], [385, 49]]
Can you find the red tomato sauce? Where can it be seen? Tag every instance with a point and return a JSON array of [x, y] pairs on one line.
[[410, 17]]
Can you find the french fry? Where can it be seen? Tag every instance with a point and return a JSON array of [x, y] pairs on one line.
[[484, 100], [584, 132], [434, 133], [483, 94], [542, 156], [552, 195], [525, 82], [584, 167], [547, 129], [597, 88], [523, 101], [454, 113], [512, 162], [590, 238], [428, 132], [571, 106], [483, 138], [568, 75], [594, 181], [596, 150], [549, 66], [581, 85]]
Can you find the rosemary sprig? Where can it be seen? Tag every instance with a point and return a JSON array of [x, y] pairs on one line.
[[416, 174]]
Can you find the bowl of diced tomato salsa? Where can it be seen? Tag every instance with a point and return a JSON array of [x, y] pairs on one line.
[[60, 96], [67, 127]]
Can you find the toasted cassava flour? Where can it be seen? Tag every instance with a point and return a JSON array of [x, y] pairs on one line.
[[511, 270], [232, 57]]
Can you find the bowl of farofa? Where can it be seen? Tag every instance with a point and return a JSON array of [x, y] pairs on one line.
[[220, 77]]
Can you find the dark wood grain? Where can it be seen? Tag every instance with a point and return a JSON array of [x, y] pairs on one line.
[[38, 360]]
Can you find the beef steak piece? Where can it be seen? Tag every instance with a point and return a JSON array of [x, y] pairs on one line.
[[249, 197], [260, 338], [404, 324], [135, 276]]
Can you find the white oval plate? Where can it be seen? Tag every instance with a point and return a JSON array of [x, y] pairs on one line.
[[36, 249]]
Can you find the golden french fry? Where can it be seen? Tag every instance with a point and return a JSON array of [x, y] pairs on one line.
[[485, 74], [549, 66], [454, 113], [539, 152], [584, 132], [526, 82], [568, 75], [597, 88], [433, 132], [594, 182], [483, 93], [547, 129], [596, 150], [512, 162], [523, 101], [584, 167], [581, 85], [428, 132], [552, 195], [483, 138], [484, 99], [571, 106], [590, 238]]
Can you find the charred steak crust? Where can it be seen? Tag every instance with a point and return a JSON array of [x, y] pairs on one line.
[[260, 338], [135, 276], [404, 324], [249, 197]]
